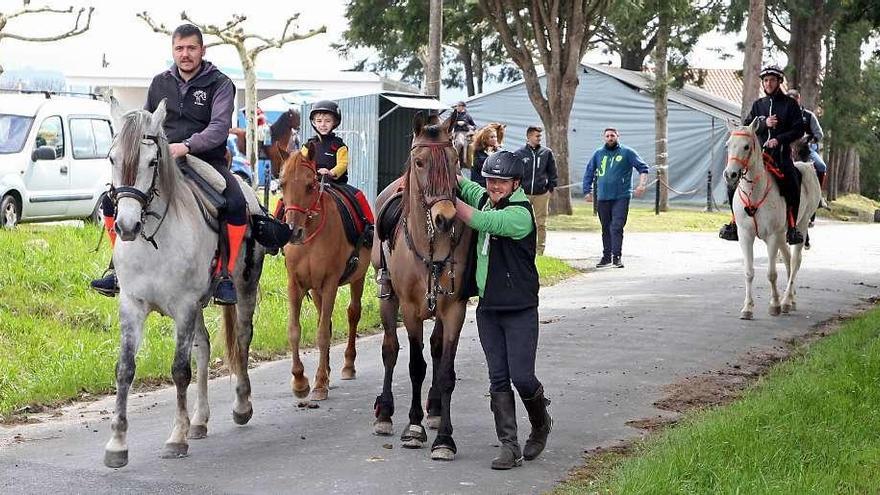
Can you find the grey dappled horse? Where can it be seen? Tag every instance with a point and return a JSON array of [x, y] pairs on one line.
[[759, 209], [164, 264]]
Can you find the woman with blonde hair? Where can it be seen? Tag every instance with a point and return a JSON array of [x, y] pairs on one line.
[[487, 141]]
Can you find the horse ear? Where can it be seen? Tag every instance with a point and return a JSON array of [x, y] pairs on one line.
[[447, 124], [732, 125], [158, 116], [756, 122], [116, 112], [418, 123]]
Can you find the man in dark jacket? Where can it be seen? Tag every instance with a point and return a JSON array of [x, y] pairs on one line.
[[780, 126], [199, 105], [461, 120], [507, 314], [539, 179]]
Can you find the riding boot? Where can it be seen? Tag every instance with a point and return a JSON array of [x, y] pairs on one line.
[[383, 277], [541, 422], [728, 232], [504, 409], [107, 285]]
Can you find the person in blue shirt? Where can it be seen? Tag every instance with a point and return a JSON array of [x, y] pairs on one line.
[[611, 166]]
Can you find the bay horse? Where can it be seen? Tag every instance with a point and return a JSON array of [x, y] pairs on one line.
[[319, 260], [281, 130], [164, 265], [426, 257], [760, 211]]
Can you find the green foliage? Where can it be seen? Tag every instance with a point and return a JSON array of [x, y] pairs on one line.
[[810, 426], [398, 31]]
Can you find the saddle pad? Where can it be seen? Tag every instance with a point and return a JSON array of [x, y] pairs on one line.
[[352, 218], [215, 180]]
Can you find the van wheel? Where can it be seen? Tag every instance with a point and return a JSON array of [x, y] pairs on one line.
[[10, 211]]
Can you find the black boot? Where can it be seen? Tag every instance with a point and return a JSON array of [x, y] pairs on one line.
[[504, 408], [107, 285], [541, 423], [617, 262], [794, 236], [605, 261], [224, 293], [728, 232]]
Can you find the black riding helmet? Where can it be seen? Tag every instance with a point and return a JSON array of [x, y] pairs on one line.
[[772, 70], [503, 165], [326, 106]]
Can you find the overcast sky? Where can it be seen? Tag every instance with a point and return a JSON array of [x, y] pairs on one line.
[[133, 49]]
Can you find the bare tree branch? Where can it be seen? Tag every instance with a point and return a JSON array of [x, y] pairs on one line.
[[74, 31]]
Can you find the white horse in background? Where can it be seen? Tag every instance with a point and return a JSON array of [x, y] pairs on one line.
[[760, 211], [164, 265]]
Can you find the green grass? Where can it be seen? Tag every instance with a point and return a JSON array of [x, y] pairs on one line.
[[851, 207], [811, 426], [642, 219], [60, 339]]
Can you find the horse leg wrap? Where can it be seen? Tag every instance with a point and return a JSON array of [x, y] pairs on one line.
[[384, 406]]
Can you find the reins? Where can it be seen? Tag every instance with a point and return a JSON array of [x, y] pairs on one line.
[[749, 206], [316, 207]]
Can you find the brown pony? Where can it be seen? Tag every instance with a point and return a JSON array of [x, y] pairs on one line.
[[317, 259], [426, 260], [480, 139]]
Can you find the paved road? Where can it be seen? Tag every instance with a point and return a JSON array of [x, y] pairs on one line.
[[610, 341]]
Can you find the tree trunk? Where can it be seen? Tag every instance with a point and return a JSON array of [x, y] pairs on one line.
[[435, 40], [250, 103], [557, 140], [661, 110], [478, 63], [805, 50], [467, 59], [753, 55]]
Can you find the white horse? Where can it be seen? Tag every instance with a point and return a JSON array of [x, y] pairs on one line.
[[164, 264], [760, 211]]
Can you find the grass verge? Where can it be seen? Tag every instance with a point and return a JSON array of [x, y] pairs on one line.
[[851, 207], [810, 426], [642, 219], [60, 340]]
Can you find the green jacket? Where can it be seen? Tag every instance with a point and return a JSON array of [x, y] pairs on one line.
[[511, 221]]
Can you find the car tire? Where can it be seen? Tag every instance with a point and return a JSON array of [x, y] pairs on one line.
[[10, 211]]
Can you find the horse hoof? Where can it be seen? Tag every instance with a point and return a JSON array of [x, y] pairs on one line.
[[175, 450], [414, 437], [242, 418], [442, 454], [413, 443], [786, 308], [318, 394], [115, 458], [198, 432], [432, 422], [383, 428], [775, 310], [300, 391], [348, 374], [793, 306], [745, 315]]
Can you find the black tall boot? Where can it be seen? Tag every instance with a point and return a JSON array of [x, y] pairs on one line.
[[541, 424], [504, 408]]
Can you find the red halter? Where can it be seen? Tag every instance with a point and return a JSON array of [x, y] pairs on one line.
[[316, 207]]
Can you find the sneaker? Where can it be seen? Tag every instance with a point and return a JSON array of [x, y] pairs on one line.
[[617, 262], [605, 261], [728, 232], [106, 285], [794, 236], [224, 293]]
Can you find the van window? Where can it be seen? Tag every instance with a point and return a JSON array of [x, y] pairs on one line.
[[51, 134], [91, 138], [14, 130]]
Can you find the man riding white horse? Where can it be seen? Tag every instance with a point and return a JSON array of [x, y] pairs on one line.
[[780, 126]]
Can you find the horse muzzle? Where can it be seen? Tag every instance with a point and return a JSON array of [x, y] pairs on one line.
[[443, 214], [732, 176], [129, 221], [297, 234]]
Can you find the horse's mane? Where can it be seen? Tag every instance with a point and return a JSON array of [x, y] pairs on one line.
[[135, 125]]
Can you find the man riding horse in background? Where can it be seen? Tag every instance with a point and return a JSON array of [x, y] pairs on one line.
[[780, 126], [200, 103], [461, 120]]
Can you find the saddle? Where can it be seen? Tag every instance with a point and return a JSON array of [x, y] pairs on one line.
[[389, 217], [358, 228], [208, 185]]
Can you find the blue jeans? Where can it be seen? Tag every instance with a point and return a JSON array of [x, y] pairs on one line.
[[818, 162], [612, 216]]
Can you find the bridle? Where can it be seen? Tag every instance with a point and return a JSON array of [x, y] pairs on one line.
[[750, 206], [435, 267], [145, 198], [315, 209]]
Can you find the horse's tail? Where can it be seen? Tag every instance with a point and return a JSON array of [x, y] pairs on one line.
[[233, 350]]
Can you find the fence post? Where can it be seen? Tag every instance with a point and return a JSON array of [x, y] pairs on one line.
[[709, 207]]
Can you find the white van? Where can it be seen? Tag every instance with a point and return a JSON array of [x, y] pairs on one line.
[[53, 157]]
